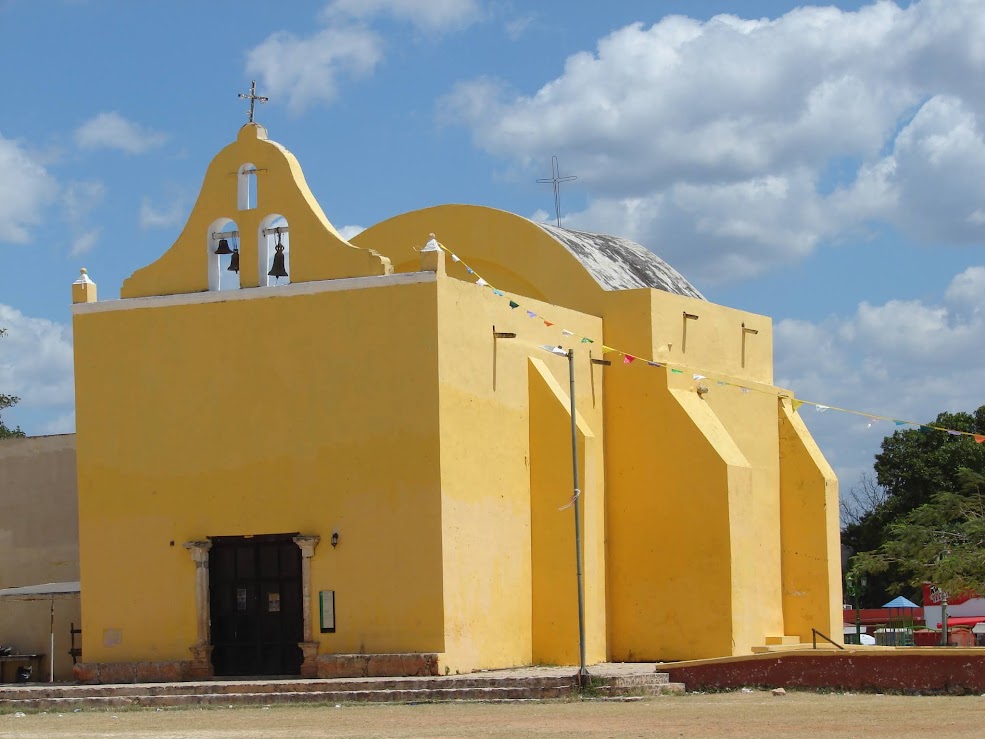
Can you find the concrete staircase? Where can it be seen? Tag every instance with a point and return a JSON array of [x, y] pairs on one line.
[[483, 687]]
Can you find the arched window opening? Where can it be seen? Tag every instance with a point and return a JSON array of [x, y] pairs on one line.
[[275, 251], [222, 243], [247, 187]]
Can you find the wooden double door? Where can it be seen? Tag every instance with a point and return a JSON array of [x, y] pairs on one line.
[[255, 605]]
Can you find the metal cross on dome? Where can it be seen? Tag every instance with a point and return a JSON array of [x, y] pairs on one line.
[[556, 180], [253, 98]]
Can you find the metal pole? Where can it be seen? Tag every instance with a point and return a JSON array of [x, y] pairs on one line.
[[858, 622], [582, 670], [944, 622], [51, 656]]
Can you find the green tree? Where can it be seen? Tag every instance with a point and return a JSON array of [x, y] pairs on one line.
[[8, 401], [915, 468], [941, 541]]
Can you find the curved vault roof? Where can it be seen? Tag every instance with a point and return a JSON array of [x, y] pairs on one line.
[[620, 264]]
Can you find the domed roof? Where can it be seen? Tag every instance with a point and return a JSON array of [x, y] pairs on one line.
[[620, 264]]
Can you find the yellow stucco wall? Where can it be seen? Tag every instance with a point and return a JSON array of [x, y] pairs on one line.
[[811, 554], [383, 408], [273, 415], [317, 251], [489, 433], [39, 543]]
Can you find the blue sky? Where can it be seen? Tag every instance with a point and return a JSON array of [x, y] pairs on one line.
[[823, 166]]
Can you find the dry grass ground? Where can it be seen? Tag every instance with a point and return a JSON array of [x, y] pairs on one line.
[[739, 714]]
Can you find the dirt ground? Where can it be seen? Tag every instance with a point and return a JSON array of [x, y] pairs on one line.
[[757, 714]]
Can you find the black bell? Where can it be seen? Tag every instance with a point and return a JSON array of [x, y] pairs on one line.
[[223, 247], [278, 269], [234, 262]]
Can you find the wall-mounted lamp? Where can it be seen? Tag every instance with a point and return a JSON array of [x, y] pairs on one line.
[[603, 362], [335, 539], [690, 316], [749, 330]]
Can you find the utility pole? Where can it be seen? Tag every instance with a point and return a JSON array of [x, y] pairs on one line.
[[583, 676]]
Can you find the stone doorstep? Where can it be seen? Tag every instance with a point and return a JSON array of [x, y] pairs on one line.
[[456, 693], [299, 686], [229, 687], [408, 690]]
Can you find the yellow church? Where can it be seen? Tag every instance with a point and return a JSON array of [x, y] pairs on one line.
[[302, 455]]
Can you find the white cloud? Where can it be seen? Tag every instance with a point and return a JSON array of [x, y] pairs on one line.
[[113, 131], [36, 360], [25, 188], [907, 359], [426, 15], [347, 232], [63, 424], [730, 145], [167, 217], [80, 198], [307, 70], [516, 27], [84, 242]]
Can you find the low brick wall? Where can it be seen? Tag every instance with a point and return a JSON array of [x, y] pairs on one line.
[[94, 673], [903, 670], [377, 665], [329, 666]]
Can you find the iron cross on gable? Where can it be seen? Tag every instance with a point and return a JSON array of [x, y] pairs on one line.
[[556, 180], [253, 98]]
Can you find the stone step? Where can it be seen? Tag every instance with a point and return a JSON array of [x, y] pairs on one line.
[[767, 648], [782, 640], [230, 687], [68, 698]]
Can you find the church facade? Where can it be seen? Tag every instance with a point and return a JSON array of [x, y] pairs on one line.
[[299, 454]]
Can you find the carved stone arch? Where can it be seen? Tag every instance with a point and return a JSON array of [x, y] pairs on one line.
[[220, 275], [272, 228], [247, 191]]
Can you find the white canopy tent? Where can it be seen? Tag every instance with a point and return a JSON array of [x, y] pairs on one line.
[[51, 592]]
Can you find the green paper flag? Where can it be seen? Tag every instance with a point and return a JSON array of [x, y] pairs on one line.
[[586, 340], [677, 372], [514, 304]]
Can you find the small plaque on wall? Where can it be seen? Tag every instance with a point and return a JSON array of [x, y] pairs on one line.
[[326, 601]]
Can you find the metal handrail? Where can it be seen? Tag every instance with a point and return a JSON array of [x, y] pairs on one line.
[[815, 634]]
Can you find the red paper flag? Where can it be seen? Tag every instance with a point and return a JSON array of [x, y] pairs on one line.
[[628, 359]]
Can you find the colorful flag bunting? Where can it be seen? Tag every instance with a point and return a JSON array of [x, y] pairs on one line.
[[629, 359]]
